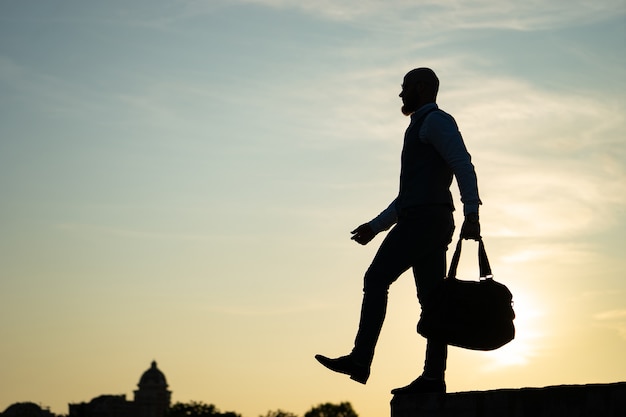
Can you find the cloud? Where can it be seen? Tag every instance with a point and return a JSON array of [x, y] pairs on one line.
[[533, 254], [613, 319], [135, 234], [550, 163], [611, 315], [441, 15], [434, 16], [286, 309]]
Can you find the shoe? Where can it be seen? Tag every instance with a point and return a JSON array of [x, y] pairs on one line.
[[422, 386], [346, 365]]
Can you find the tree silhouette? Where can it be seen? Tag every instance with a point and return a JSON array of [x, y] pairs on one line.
[[27, 409], [332, 410], [279, 413], [198, 409]]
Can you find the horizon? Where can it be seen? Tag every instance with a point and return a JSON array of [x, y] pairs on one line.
[[179, 181], [166, 387]]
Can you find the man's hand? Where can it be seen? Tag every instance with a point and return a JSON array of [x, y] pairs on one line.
[[471, 227], [363, 234]]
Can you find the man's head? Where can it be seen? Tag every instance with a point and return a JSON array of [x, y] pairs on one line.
[[419, 87]]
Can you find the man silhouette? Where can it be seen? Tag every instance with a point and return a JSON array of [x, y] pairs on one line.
[[433, 152]]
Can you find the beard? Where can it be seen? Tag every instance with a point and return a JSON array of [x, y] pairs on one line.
[[408, 109], [410, 105]]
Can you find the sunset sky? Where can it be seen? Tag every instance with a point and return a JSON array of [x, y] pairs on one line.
[[178, 180]]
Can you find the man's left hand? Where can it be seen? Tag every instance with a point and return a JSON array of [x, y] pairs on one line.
[[471, 227], [363, 234]]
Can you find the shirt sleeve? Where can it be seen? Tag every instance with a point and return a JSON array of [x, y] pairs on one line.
[[385, 219], [441, 131]]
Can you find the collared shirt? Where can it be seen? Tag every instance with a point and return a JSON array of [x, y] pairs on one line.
[[440, 130]]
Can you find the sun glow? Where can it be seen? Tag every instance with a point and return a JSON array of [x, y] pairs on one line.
[[529, 335]]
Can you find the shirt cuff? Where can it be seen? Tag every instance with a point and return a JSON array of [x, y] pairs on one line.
[[384, 220], [470, 208]]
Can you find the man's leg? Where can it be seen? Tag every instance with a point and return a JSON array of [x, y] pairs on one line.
[[427, 275], [408, 244], [428, 271], [392, 259]]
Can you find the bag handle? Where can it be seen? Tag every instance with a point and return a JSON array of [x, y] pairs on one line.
[[483, 261]]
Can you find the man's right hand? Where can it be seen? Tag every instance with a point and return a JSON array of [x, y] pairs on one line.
[[363, 234], [471, 227]]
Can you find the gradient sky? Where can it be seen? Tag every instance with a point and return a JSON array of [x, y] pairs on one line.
[[178, 181]]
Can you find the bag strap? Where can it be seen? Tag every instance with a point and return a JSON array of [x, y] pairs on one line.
[[483, 261]]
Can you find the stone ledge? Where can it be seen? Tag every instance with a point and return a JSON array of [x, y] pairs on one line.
[[592, 400]]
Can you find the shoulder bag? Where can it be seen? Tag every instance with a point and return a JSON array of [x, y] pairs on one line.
[[474, 315]]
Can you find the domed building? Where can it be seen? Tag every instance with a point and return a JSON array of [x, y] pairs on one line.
[[152, 399]]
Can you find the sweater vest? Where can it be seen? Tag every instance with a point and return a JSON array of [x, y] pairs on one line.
[[425, 177]]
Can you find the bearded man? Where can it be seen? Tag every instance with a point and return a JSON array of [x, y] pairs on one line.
[[423, 224]]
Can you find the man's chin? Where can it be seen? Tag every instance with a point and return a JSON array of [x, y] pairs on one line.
[[407, 111]]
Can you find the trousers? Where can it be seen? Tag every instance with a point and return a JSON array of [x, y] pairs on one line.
[[419, 240]]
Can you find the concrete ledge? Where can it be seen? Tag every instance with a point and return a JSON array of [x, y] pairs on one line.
[[592, 400]]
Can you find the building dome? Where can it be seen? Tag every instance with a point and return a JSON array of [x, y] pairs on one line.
[[152, 378]]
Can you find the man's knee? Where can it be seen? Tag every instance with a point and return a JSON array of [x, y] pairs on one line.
[[377, 281]]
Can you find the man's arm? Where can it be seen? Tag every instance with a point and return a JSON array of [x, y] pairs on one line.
[[441, 131]]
